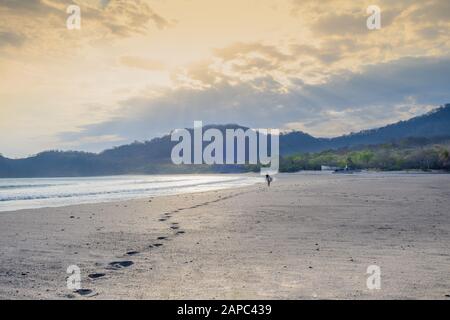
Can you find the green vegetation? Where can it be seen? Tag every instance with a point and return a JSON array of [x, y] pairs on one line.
[[407, 154]]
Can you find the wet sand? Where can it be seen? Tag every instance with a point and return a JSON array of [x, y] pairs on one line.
[[310, 236]]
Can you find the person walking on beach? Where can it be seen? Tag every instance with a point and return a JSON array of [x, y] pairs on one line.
[[268, 179]]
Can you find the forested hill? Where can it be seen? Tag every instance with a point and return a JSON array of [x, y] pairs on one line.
[[154, 156]]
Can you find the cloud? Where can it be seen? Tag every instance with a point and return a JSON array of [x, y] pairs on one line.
[[240, 49], [378, 95], [29, 7], [104, 3], [436, 11], [102, 19], [416, 26], [254, 61], [387, 83], [124, 18], [253, 56], [11, 39], [352, 24], [327, 52], [340, 24]]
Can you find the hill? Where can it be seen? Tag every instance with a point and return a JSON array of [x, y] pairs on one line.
[[154, 156]]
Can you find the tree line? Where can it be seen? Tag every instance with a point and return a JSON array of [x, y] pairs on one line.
[[390, 156]]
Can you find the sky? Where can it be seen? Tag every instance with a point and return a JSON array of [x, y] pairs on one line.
[[138, 69]]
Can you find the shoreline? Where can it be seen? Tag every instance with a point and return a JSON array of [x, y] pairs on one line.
[[122, 201], [62, 192], [282, 174], [307, 237]]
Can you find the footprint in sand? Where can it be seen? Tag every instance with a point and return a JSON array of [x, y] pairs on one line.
[[96, 275], [86, 292], [174, 227], [161, 238], [132, 253], [162, 219], [116, 265], [157, 244], [180, 232]]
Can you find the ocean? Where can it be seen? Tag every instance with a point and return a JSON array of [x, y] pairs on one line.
[[30, 193]]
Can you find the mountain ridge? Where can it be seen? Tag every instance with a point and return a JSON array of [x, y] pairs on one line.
[[153, 156]]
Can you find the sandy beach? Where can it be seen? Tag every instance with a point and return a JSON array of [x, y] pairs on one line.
[[310, 236]]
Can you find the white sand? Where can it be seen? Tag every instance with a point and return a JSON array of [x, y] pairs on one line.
[[309, 236]]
